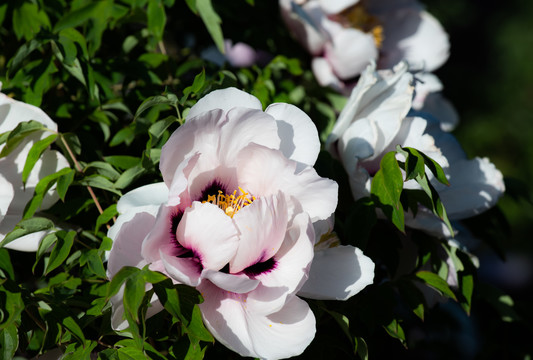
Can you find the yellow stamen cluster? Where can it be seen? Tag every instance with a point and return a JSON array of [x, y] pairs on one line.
[[230, 203], [357, 18]]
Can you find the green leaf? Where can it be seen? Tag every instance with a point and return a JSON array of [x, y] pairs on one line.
[[131, 353], [74, 328], [196, 330], [94, 262], [6, 268], [436, 282], [196, 87], [212, 22], [40, 190], [22, 54], [9, 341], [129, 176], [395, 330], [35, 153], [361, 348], [156, 18], [44, 246], [103, 169], [28, 20], [133, 295], [168, 99], [105, 217], [122, 162], [436, 169], [343, 322], [100, 182], [60, 251], [119, 279], [79, 16], [15, 136], [414, 162], [25, 227], [158, 128], [64, 182], [386, 188]]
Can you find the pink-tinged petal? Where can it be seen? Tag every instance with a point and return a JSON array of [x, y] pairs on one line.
[[298, 133], [336, 6], [290, 271], [178, 193], [127, 244], [235, 283], [262, 226], [199, 136], [13, 112], [225, 100], [263, 171], [161, 234], [240, 54], [152, 195], [350, 52], [285, 333], [183, 270], [338, 273], [279, 335], [475, 186], [415, 36], [209, 233], [245, 126]]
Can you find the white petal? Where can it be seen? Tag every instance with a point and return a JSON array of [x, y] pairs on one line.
[[338, 273], [382, 97], [350, 52], [324, 74], [305, 24], [336, 6], [285, 333], [475, 186], [262, 227], [238, 284], [416, 36], [298, 133], [357, 143], [13, 112], [6, 194], [127, 244], [28, 243], [280, 335], [151, 195], [224, 99], [210, 233]]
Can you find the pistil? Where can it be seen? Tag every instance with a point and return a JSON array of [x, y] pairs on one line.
[[230, 203]]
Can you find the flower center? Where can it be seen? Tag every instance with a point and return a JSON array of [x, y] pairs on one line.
[[358, 18], [230, 203]]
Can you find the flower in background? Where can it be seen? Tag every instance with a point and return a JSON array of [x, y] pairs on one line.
[[238, 55], [235, 217], [375, 120], [13, 193], [344, 36]]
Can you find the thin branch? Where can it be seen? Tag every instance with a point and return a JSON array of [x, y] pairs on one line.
[[78, 167]]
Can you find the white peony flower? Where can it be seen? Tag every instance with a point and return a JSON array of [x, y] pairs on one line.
[[235, 218], [13, 194]]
